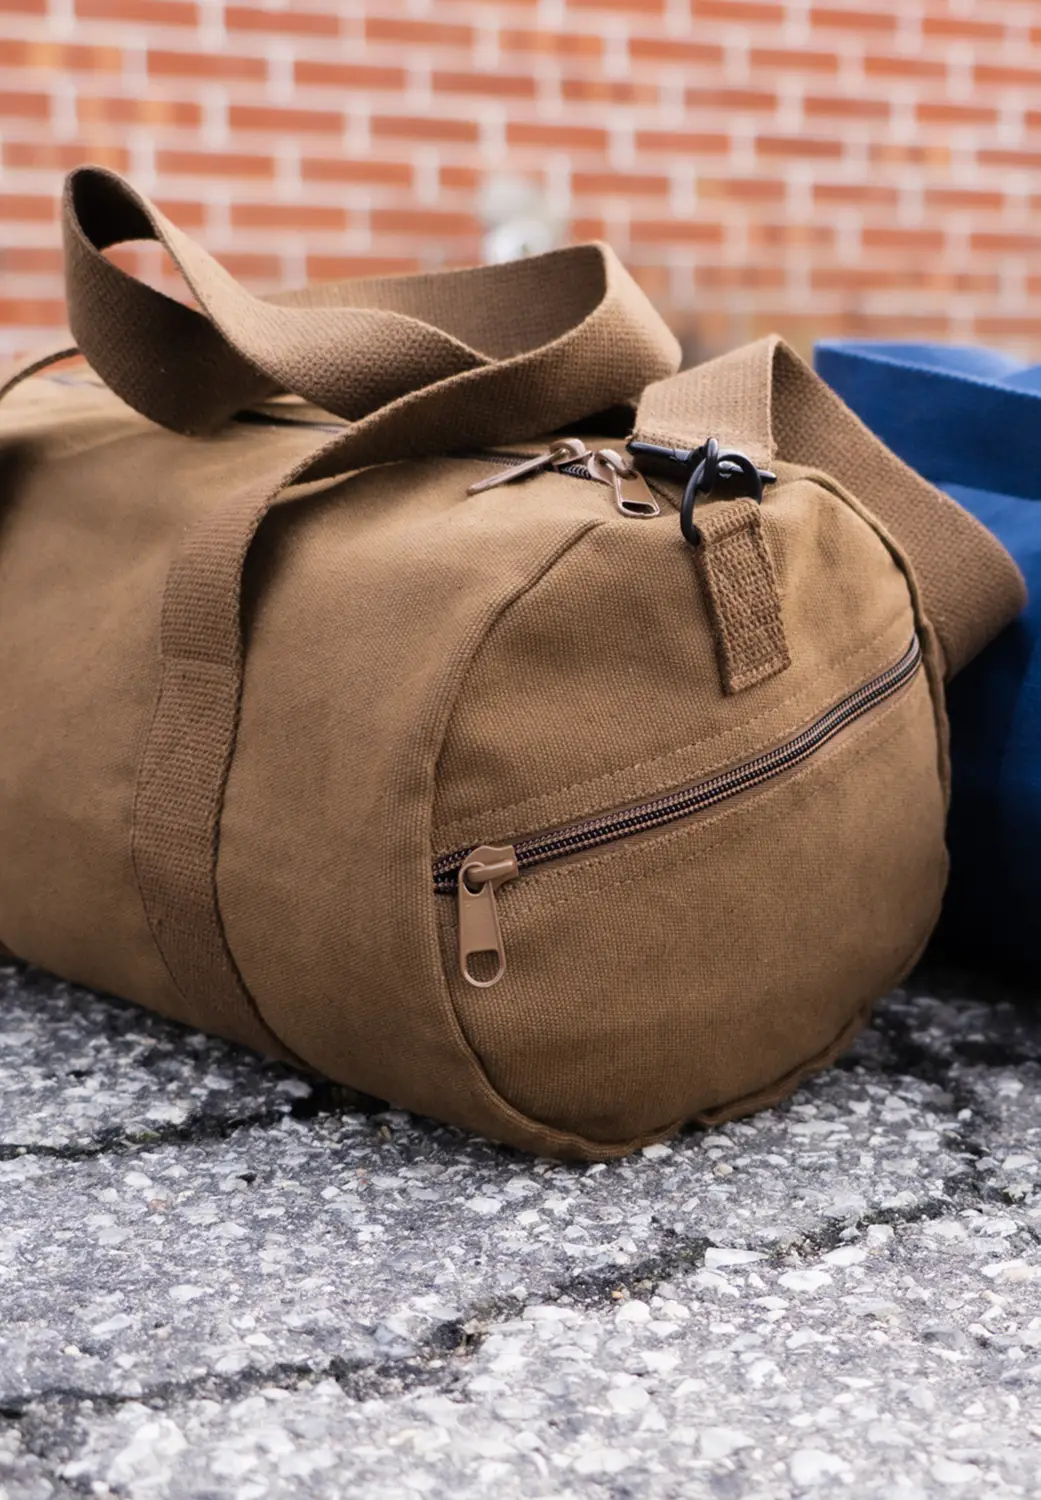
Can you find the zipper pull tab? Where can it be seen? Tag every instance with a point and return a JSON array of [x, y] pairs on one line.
[[632, 494], [567, 451], [480, 876]]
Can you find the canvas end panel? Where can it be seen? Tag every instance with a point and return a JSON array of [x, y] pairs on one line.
[[671, 975], [602, 685]]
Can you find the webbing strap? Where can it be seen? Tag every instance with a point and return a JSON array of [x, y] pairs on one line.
[[416, 365], [13, 373], [764, 400], [740, 587], [474, 356]]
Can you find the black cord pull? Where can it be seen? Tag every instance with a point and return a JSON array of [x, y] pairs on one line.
[[707, 471]]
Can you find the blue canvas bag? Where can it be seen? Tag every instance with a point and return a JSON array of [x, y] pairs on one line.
[[969, 420]]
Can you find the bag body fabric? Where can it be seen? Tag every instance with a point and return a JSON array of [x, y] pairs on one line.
[[512, 807], [969, 420]]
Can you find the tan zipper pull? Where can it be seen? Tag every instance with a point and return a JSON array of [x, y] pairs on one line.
[[480, 876], [632, 495], [567, 451]]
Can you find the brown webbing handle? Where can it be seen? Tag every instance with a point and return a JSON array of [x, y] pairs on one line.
[[533, 344], [740, 590], [415, 365], [766, 401]]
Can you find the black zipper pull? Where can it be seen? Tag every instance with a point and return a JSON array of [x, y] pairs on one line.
[[707, 471]]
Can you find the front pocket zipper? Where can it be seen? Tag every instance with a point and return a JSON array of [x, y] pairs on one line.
[[475, 874]]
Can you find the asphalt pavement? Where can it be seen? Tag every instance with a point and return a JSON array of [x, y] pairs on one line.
[[218, 1280]]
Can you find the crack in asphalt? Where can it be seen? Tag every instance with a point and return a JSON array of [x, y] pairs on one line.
[[117, 1142], [438, 1360], [907, 1054], [326, 1098], [49, 1421], [910, 1058], [361, 1380]]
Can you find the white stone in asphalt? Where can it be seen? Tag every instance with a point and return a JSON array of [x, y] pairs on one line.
[[216, 1282], [904, 1372]]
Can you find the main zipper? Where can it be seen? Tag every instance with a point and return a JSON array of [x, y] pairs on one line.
[[475, 874], [634, 496]]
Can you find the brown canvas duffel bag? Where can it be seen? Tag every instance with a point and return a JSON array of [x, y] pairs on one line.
[[594, 801]]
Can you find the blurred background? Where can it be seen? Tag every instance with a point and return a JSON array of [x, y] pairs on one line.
[[815, 168]]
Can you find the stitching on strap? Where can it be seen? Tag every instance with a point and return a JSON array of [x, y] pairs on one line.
[[741, 590]]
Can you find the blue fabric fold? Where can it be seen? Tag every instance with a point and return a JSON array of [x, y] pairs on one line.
[[969, 420]]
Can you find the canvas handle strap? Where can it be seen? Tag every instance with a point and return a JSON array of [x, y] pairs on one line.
[[499, 351], [415, 365], [766, 401], [740, 589]]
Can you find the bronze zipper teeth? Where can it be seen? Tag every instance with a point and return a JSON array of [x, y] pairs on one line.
[[276, 419], [591, 833], [252, 418], [576, 470], [506, 460]]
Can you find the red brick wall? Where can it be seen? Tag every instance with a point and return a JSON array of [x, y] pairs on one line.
[[814, 167]]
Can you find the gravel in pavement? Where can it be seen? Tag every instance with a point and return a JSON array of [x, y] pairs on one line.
[[219, 1281]]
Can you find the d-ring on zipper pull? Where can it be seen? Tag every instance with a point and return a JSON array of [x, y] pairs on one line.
[[567, 451], [480, 876]]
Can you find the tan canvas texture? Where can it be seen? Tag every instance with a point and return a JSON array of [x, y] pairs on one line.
[[258, 676]]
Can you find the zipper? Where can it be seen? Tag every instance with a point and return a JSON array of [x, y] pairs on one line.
[[475, 874], [252, 418], [633, 495]]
